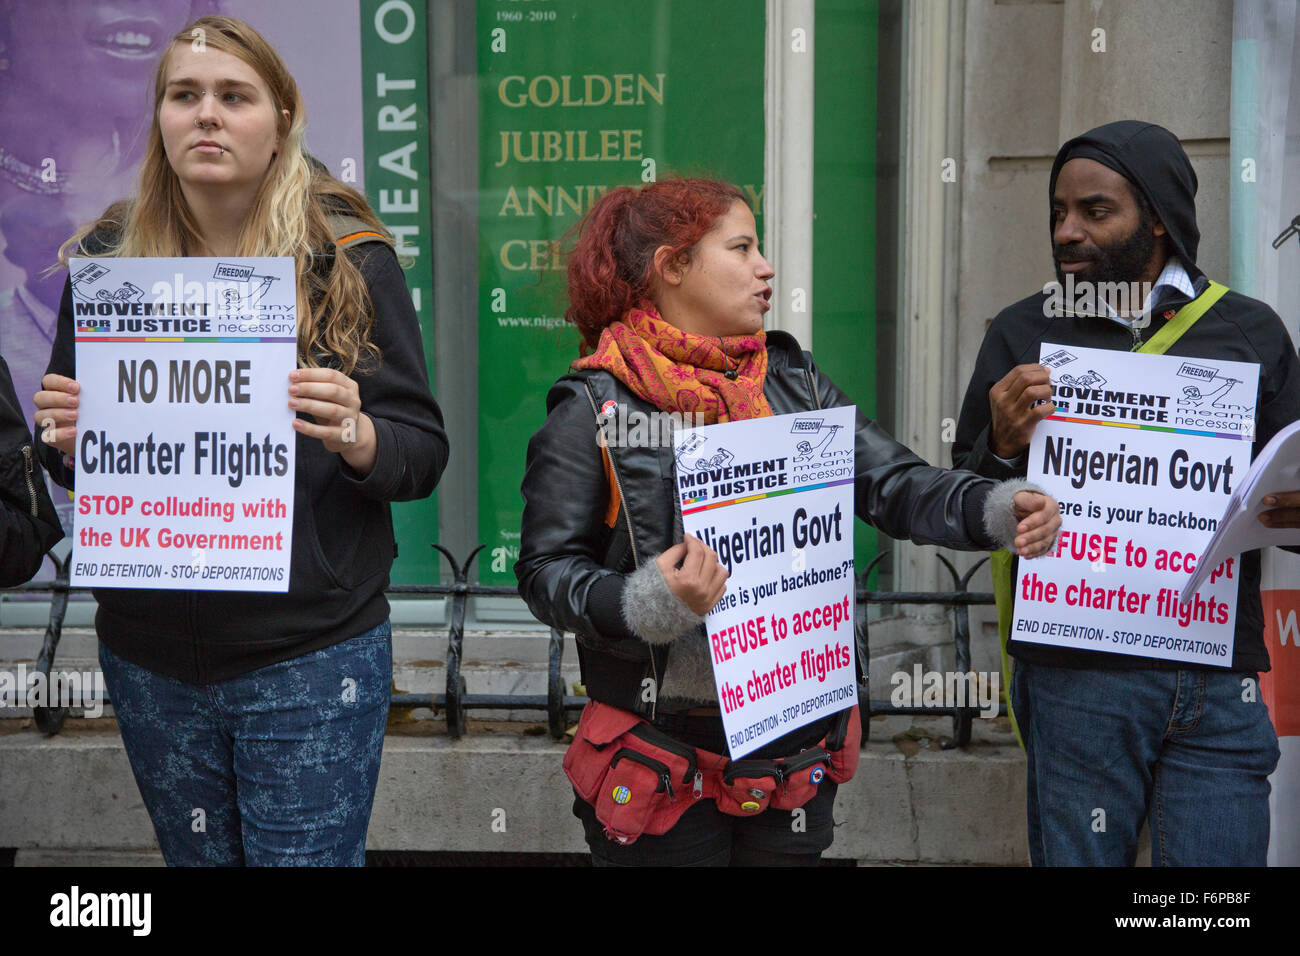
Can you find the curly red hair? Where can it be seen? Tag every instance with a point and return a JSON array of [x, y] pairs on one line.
[[611, 265]]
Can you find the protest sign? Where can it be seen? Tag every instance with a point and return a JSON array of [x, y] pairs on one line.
[[185, 441], [774, 498], [1143, 453]]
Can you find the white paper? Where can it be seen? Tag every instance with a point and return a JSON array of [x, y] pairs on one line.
[[1275, 469], [1143, 453], [185, 440], [774, 498]]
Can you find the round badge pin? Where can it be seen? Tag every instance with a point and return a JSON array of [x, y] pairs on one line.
[[749, 806], [607, 409], [816, 776], [621, 795]]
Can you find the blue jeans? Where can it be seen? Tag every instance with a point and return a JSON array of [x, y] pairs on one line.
[[275, 767], [1189, 750]]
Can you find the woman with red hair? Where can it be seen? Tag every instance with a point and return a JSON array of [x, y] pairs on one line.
[[669, 289]]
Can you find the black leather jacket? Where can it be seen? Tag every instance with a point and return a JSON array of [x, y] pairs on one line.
[[28, 525], [571, 564]]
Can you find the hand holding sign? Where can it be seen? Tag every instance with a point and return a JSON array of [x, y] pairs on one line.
[[1018, 403], [57, 403], [334, 401], [1040, 518], [701, 581]]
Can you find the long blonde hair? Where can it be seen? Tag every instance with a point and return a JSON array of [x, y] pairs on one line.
[[288, 217]]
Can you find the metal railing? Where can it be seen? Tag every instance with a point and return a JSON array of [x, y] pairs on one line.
[[456, 701]]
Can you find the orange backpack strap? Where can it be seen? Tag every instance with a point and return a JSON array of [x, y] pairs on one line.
[[615, 498], [352, 231]]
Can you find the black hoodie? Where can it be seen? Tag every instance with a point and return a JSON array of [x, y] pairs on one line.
[[1237, 328]]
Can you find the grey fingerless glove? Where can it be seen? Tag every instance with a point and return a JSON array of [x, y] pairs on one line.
[[651, 611], [1000, 511]]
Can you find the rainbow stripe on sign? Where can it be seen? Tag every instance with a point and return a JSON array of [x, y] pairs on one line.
[[169, 340], [1151, 428], [767, 494]]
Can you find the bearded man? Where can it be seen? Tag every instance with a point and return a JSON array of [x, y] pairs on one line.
[[1136, 738]]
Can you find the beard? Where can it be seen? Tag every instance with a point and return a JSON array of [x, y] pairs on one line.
[[1122, 261]]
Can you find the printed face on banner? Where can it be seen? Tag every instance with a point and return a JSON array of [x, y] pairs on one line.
[[774, 498], [185, 441], [1143, 453]]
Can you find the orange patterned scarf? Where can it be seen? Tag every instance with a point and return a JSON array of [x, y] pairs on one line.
[[678, 371]]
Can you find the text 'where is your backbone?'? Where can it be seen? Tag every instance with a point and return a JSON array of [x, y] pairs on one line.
[[773, 497], [1143, 452]]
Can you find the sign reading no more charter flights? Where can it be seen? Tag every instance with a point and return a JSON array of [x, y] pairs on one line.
[[774, 498], [185, 440], [1143, 453]]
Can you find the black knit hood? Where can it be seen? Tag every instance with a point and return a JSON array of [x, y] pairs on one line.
[[1150, 157]]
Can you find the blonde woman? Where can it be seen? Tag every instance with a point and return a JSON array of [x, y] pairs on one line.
[[231, 705]]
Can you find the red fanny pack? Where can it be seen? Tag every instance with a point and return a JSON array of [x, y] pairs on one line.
[[640, 780]]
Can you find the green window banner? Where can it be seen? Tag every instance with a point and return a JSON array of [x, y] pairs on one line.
[[395, 102], [576, 97], [844, 210]]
